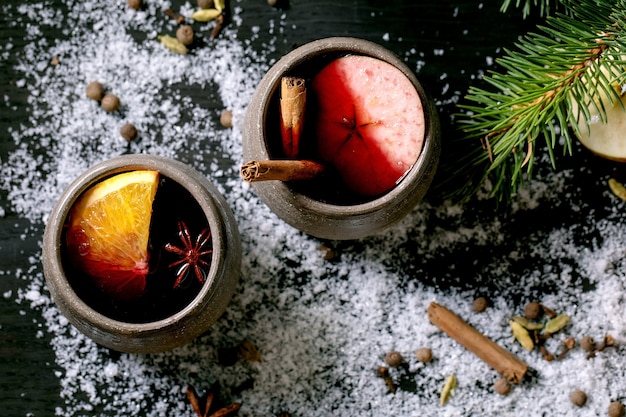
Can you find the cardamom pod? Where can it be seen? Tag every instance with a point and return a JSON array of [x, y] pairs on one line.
[[522, 335], [220, 4], [617, 188], [206, 15], [173, 44], [527, 324], [446, 392], [556, 324]]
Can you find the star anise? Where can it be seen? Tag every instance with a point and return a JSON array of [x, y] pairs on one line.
[[202, 404]]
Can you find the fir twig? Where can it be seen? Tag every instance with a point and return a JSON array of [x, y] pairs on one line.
[[544, 6], [546, 86]]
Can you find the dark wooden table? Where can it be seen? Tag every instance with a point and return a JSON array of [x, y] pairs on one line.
[[454, 41]]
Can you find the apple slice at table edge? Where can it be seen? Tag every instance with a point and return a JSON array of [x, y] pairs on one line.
[[370, 122]]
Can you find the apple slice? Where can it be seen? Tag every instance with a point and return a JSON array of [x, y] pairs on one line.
[[604, 136], [370, 122]]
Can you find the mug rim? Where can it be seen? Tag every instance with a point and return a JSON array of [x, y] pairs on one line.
[[54, 271], [271, 82]]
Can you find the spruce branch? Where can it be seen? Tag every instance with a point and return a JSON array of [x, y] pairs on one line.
[[546, 85], [544, 6]]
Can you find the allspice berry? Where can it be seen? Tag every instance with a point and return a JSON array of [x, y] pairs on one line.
[[394, 359], [134, 4], [502, 386], [587, 343], [424, 355], [95, 90], [110, 102], [480, 304], [532, 311], [128, 131], [205, 4], [185, 35], [616, 409], [578, 398], [226, 118]]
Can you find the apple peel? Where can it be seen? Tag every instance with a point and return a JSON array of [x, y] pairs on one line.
[[370, 122]]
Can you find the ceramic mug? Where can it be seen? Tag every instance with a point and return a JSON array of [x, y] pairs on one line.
[[88, 310], [292, 202]]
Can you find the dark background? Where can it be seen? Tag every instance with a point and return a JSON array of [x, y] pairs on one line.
[[469, 33]]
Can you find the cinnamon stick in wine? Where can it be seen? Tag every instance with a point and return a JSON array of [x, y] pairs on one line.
[[500, 359], [292, 107], [281, 170]]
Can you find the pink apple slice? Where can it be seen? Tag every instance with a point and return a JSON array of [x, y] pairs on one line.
[[370, 122]]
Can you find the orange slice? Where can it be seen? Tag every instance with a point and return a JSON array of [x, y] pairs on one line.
[[108, 232]]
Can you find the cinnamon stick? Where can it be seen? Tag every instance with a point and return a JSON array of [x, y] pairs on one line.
[[292, 107], [500, 359], [280, 170]]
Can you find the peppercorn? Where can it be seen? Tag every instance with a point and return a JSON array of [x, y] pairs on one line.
[[480, 304], [205, 4], [394, 359], [110, 102], [578, 398], [226, 118], [134, 4], [616, 409], [424, 355], [184, 34], [502, 386], [128, 131], [95, 90], [532, 310], [587, 343]]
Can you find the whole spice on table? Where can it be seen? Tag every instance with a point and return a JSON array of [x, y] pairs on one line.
[[185, 35], [578, 398], [226, 118], [95, 90], [424, 355], [249, 352], [177, 17], [568, 344], [502, 386], [587, 343], [202, 405], [110, 102], [494, 355], [383, 372], [394, 359], [521, 335], [548, 311], [134, 4], [616, 409], [606, 342], [532, 310], [556, 324], [173, 44], [480, 304], [128, 131], [205, 4], [446, 391]]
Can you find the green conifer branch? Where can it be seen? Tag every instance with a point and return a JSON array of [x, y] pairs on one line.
[[546, 85]]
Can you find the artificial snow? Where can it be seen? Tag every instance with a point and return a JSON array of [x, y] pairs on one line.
[[322, 326]]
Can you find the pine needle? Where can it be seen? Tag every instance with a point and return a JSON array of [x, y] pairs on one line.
[[547, 77]]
